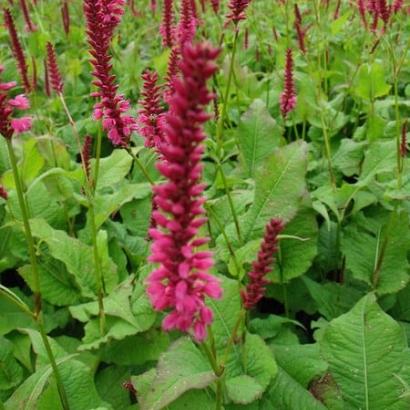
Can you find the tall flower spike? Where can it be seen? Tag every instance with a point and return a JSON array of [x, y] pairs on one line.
[[167, 26], [182, 281], [47, 89], [255, 289], [299, 30], [65, 15], [54, 73], [86, 154], [9, 124], [26, 14], [17, 49], [403, 140], [361, 5], [215, 5], [185, 30], [288, 96], [383, 10], [172, 72], [237, 11], [103, 16], [149, 117]]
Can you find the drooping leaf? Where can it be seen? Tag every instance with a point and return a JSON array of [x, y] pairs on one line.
[[366, 349]]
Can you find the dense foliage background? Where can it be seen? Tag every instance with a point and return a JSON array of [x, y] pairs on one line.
[[332, 330]]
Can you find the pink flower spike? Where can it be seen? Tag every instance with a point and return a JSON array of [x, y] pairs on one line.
[[7, 86], [21, 125], [20, 102], [237, 11], [288, 96], [255, 289], [183, 282]]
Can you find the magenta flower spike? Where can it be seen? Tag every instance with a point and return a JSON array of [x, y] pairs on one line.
[[237, 11], [9, 124], [167, 29], [288, 96], [182, 280], [186, 28], [255, 289], [65, 15], [26, 14], [103, 16], [17, 50], [52, 69], [149, 117]]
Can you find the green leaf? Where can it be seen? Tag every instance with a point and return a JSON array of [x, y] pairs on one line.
[[370, 81], [113, 169], [296, 256], [181, 368], [349, 156], [379, 259], [243, 389], [11, 372], [286, 393], [367, 349], [33, 162], [258, 135], [76, 256], [280, 185]]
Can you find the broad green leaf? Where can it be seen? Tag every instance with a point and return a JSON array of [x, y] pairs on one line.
[[332, 299], [11, 372], [106, 204], [243, 389], [77, 257], [271, 326], [181, 368], [113, 169], [285, 393], [258, 135], [367, 353], [56, 284], [370, 81], [379, 259], [33, 162], [280, 185], [348, 157], [296, 256]]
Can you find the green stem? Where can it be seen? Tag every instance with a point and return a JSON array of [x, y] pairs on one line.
[[141, 167], [97, 158], [398, 130], [35, 274], [98, 267]]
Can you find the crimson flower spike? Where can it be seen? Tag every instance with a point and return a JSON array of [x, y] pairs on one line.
[[47, 88], [26, 14], [86, 154], [185, 30], [17, 50], [288, 96], [397, 5], [237, 11], [103, 16], [9, 124], [53, 71], [65, 15], [167, 26], [362, 11], [256, 287], [182, 280], [172, 72], [383, 10], [3, 193], [215, 5], [149, 117], [299, 30]]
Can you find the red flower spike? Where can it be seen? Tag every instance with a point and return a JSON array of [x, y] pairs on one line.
[[149, 117], [17, 49], [182, 281], [9, 124], [237, 11], [26, 14], [47, 89], [255, 289], [65, 15], [186, 28], [215, 5], [288, 96], [54, 73], [103, 16], [167, 27], [403, 140], [86, 154]]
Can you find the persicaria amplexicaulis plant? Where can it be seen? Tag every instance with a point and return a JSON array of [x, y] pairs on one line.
[[237, 11], [185, 30], [255, 289], [288, 96], [52, 70], [65, 16], [149, 117], [17, 49], [86, 154], [9, 124], [103, 16], [182, 281], [167, 28], [26, 14]]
